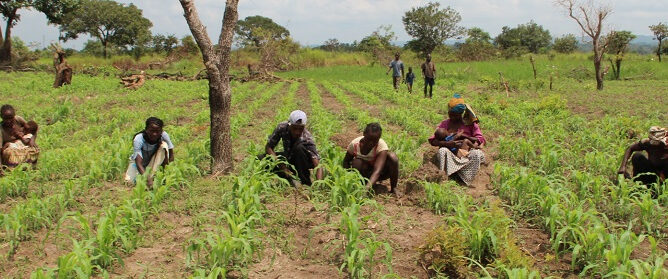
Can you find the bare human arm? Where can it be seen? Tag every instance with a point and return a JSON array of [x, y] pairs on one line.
[[171, 156], [318, 172], [627, 154], [446, 144], [270, 150], [377, 168], [347, 160]]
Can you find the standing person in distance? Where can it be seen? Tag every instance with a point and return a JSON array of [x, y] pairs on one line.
[[428, 73], [397, 67], [409, 80]]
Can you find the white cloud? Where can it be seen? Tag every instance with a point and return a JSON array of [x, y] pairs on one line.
[[314, 21]]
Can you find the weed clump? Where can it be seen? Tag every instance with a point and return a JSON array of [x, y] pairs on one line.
[[444, 252]]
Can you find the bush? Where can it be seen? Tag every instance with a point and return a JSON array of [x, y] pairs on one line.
[[444, 252]]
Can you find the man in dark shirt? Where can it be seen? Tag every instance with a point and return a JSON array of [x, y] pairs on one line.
[[428, 73], [298, 147], [656, 162]]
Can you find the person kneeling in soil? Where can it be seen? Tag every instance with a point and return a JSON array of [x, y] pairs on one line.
[[152, 148], [652, 168], [298, 148], [370, 155]]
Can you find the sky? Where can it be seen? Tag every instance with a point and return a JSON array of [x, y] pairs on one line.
[[311, 22]]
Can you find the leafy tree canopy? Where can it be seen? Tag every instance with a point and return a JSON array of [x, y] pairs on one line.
[[530, 36], [256, 30], [108, 21], [431, 26]]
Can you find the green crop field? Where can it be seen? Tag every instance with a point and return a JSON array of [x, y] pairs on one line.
[[548, 203]]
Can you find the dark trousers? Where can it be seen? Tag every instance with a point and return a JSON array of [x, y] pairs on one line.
[[643, 165], [428, 82], [300, 159]]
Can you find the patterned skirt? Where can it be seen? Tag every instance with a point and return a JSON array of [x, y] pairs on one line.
[[466, 167], [17, 153]]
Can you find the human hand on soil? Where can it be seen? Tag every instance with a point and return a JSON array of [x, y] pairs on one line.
[[624, 172]]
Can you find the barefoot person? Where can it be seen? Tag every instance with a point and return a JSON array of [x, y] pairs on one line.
[[397, 68], [18, 139], [652, 168], [428, 73], [152, 148], [370, 155], [298, 148], [462, 120]]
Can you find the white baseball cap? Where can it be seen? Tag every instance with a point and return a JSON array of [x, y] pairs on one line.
[[297, 117]]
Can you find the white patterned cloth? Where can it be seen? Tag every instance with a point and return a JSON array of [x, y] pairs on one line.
[[466, 167]]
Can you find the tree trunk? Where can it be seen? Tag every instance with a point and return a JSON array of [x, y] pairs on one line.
[[658, 51], [104, 49], [618, 61], [6, 48], [597, 68], [217, 63], [1, 40]]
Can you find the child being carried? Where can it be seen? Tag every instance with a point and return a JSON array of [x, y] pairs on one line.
[[465, 145], [24, 134]]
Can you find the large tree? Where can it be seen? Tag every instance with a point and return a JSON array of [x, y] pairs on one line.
[[108, 21], [53, 9], [618, 45], [477, 46], [660, 32], [431, 26], [217, 63], [530, 36], [256, 30], [590, 18], [566, 44]]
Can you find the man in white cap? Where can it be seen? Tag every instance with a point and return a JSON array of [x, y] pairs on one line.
[[647, 169], [298, 147]]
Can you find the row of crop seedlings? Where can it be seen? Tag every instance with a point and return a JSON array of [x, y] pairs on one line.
[[38, 212], [345, 195], [404, 144], [242, 119], [103, 240], [478, 235], [584, 213], [427, 111], [237, 241]]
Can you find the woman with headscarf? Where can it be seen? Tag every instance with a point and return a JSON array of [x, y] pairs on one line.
[[462, 120]]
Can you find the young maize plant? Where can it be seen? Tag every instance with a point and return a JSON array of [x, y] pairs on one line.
[[360, 250], [238, 243], [440, 197], [117, 228]]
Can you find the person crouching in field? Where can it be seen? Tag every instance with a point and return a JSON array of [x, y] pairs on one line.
[[652, 168], [18, 139], [151, 148], [370, 155], [298, 148]]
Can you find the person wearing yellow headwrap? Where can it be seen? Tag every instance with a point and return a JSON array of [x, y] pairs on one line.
[[652, 168], [462, 120]]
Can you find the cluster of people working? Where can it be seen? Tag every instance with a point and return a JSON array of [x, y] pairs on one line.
[[458, 138]]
